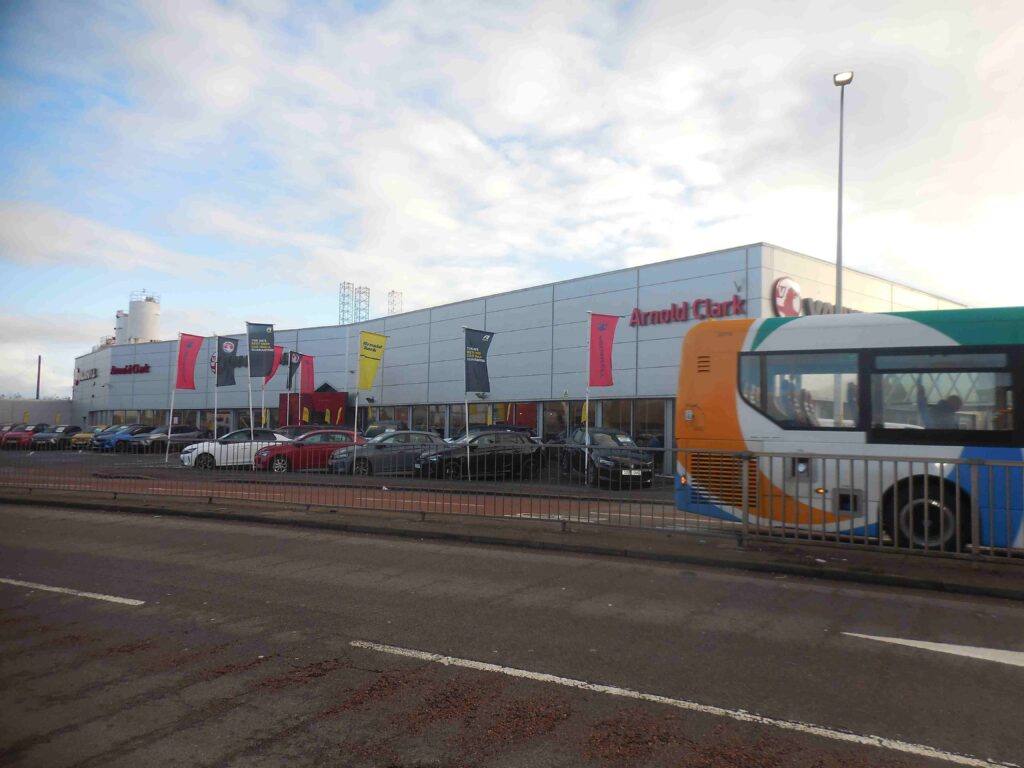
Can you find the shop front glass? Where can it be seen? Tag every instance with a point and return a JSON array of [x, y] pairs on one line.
[[420, 418], [435, 418], [615, 414]]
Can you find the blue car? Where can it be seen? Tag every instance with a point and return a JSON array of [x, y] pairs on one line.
[[120, 439]]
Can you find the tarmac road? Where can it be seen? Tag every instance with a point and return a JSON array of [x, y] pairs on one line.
[[244, 645]]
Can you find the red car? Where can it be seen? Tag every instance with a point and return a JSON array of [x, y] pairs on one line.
[[310, 451], [21, 437]]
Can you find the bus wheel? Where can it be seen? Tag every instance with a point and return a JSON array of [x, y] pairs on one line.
[[923, 516]]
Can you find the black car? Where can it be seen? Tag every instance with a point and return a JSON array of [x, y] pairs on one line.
[[610, 457], [58, 437], [476, 429], [484, 454]]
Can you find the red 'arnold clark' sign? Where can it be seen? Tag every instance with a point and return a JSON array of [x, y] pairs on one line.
[[128, 369], [701, 309]]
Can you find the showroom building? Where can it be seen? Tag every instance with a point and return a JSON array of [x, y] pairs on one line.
[[537, 359]]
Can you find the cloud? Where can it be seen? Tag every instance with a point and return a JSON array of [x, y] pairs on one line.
[[40, 236]]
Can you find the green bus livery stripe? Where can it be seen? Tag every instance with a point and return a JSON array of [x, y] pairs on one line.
[[768, 327], [973, 327]]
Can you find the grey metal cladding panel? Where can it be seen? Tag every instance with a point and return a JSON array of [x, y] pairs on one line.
[[519, 364], [575, 359], [404, 393], [597, 284], [720, 287], [510, 342], [407, 337], [452, 329], [309, 336], [519, 388], [574, 383], [694, 266], [400, 356], [654, 353], [575, 309], [406, 320], [447, 370], [524, 298], [463, 310], [452, 349], [448, 391], [658, 382], [405, 374], [519, 318]]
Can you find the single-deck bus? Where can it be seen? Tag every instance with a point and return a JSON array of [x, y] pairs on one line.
[[871, 391]]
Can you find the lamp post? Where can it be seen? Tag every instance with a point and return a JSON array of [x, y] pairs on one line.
[[842, 79]]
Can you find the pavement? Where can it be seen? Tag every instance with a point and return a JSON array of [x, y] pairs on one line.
[[708, 548], [138, 639]]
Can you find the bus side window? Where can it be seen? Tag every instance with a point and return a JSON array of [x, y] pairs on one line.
[[750, 379]]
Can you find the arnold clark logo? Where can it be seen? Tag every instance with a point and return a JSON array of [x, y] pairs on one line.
[[787, 302]]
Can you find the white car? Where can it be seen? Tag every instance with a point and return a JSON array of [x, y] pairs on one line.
[[235, 449]]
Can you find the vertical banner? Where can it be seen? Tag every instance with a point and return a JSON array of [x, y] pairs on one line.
[[294, 361], [306, 383], [278, 351], [477, 344], [188, 352], [261, 349], [227, 360], [602, 337], [371, 352]]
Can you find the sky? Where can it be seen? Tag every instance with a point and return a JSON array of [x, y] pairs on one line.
[[241, 158]]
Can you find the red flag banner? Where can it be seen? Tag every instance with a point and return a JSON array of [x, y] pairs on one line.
[[306, 375], [602, 336], [278, 351], [188, 353]]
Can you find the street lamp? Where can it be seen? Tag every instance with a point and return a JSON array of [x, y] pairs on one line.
[[841, 79]]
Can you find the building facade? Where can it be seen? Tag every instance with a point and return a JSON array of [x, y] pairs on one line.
[[537, 360]]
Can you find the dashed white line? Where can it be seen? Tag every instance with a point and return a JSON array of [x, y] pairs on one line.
[[75, 592], [919, 750]]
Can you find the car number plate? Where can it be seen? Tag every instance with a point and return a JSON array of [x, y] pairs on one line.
[[633, 472], [417, 466]]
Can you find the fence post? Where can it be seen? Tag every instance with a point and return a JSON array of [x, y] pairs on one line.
[[744, 495], [975, 509]]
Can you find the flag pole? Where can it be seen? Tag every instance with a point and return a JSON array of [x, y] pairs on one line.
[[288, 405], [465, 394], [263, 404], [216, 367], [248, 364], [174, 387], [355, 429], [586, 401]]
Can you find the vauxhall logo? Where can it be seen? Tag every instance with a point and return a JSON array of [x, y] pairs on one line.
[[787, 302]]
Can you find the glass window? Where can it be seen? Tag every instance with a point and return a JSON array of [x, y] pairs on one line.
[[313, 439], [961, 400], [615, 414], [479, 414], [812, 390], [750, 379], [435, 418], [940, 361], [555, 419], [420, 417], [649, 423]]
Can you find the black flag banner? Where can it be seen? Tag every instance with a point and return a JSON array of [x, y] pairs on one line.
[[227, 360], [261, 349], [294, 361], [477, 344]]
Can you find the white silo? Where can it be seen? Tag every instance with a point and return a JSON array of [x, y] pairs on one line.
[[121, 327], [143, 318]]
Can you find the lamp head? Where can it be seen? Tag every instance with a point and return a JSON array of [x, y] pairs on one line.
[[842, 78]]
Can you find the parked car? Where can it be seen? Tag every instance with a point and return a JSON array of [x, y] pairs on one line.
[[486, 454], [118, 440], [84, 438], [611, 457], [22, 436], [5, 428], [476, 429], [390, 453], [155, 441], [235, 449], [55, 438], [297, 430], [309, 451], [379, 427]]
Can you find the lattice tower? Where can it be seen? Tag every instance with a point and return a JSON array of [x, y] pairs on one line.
[[394, 302], [346, 303], [361, 304]]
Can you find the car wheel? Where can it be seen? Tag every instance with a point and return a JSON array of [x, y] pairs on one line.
[[120, 446], [452, 470], [591, 473], [205, 461], [362, 467], [924, 516], [528, 469], [279, 464]]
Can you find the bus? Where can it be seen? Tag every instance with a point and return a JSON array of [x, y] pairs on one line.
[[894, 427]]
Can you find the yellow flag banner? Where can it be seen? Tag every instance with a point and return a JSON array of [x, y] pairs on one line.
[[371, 350], [305, 414]]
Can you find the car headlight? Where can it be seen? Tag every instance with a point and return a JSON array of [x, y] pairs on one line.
[[263, 452], [340, 453], [189, 448], [605, 462]]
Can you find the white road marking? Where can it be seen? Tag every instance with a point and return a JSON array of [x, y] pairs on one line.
[[75, 592], [920, 750], [1014, 658]]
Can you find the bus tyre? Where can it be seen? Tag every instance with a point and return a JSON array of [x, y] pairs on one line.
[[923, 515], [205, 461]]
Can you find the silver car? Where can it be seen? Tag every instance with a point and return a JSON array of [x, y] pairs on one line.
[[390, 453]]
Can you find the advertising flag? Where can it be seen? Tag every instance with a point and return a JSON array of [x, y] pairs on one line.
[[188, 353], [602, 336], [294, 361], [278, 351], [477, 344], [227, 360], [371, 351], [306, 384], [261, 349]]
